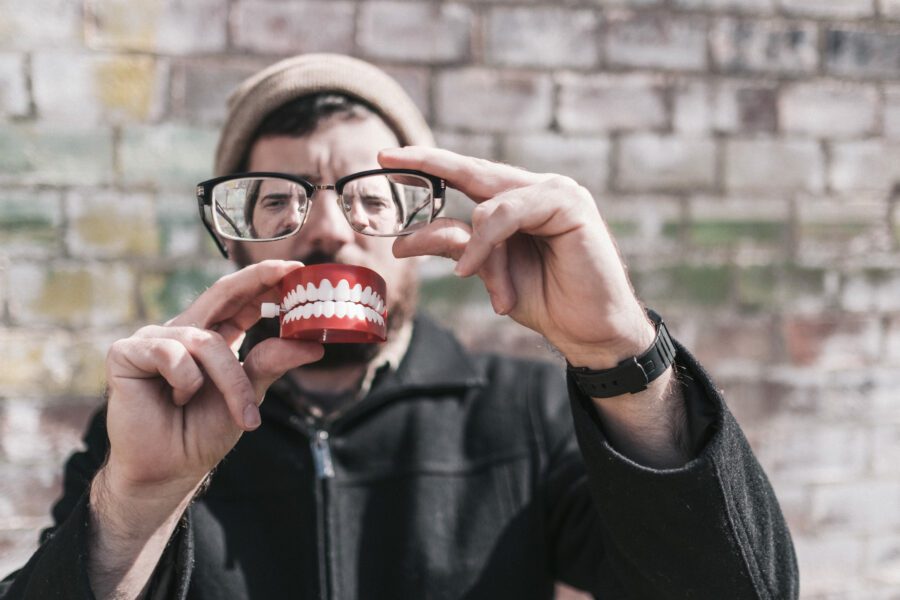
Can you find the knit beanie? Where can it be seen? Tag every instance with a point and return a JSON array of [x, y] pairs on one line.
[[260, 94]]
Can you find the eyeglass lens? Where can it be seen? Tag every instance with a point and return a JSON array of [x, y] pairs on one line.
[[266, 208]]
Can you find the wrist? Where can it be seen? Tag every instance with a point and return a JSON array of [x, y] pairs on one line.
[[632, 339]]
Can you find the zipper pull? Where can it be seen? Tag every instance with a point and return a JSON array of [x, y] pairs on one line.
[[321, 452]]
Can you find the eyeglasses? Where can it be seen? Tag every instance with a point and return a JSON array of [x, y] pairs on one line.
[[263, 207]]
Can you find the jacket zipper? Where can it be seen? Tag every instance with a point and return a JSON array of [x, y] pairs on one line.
[[324, 468]]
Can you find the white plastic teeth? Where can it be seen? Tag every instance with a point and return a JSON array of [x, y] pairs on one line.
[[329, 300]]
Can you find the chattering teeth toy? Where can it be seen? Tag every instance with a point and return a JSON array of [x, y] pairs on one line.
[[331, 303]]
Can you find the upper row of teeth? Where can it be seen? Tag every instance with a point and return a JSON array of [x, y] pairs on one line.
[[342, 292], [330, 308]]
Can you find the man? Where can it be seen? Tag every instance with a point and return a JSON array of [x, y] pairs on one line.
[[411, 469]]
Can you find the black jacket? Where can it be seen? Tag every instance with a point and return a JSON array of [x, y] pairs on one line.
[[456, 477]]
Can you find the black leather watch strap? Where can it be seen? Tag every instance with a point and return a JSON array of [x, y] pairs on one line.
[[633, 374]]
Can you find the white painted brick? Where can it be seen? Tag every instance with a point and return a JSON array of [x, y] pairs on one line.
[[883, 565], [886, 442], [55, 154], [868, 165], [40, 24], [648, 163], [600, 103], [773, 164], [728, 5], [829, 109], [13, 93], [765, 46], [180, 232], [585, 160], [95, 88], [199, 88], [71, 294], [160, 26], [844, 9], [814, 452], [167, 156], [871, 292], [30, 223], [283, 28], [542, 37], [829, 564], [892, 111], [415, 31], [105, 223], [857, 507], [36, 361], [416, 82], [469, 144], [861, 51], [890, 8], [656, 40], [489, 101], [724, 106]]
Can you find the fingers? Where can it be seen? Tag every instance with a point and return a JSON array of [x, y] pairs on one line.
[[216, 358], [477, 178], [141, 359], [231, 294], [272, 358]]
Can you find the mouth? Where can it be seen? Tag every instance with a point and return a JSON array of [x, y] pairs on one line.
[[334, 303]]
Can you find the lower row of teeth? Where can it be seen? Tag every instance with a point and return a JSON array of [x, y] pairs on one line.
[[330, 308]]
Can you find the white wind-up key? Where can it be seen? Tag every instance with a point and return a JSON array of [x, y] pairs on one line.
[[269, 310]]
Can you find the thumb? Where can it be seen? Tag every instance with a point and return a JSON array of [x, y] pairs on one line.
[[272, 358]]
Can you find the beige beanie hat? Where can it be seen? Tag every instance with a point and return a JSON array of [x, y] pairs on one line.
[[306, 74]]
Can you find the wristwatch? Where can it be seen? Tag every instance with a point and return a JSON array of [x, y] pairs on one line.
[[632, 375]]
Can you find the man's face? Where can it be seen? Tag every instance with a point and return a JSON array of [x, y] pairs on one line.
[[337, 147]]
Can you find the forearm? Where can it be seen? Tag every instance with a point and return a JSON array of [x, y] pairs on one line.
[[128, 532], [648, 427]]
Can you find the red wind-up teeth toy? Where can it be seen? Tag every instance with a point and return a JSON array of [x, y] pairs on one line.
[[331, 303]]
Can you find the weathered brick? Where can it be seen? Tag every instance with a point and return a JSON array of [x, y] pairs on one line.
[[857, 507], [199, 89], [167, 156], [416, 81], [542, 37], [886, 450], [871, 290], [890, 8], [17, 544], [829, 109], [656, 40], [14, 100], [166, 294], [158, 26], [773, 165], [883, 564], [107, 224], [726, 106], [839, 228], [892, 111], [586, 160], [415, 31], [811, 452], [280, 28], [469, 144], [56, 155], [42, 432], [831, 341], [88, 88], [88, 360], [483, 100], [40, 24], [70, 294], [842, 9], [830, 564], [684, 285], [862, 52], [738, 222], [765, 46], [30, 223], [36, 360], [866, 165], [648, 162], [731, 6], [610, 103], [178, 225], [643, 225]]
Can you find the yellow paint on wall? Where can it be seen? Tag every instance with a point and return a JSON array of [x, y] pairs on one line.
[[126, 85], [131, 24], [134, 234], [66, 295]]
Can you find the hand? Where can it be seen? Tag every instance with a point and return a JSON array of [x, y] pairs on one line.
[[179, 399], [543, 251]]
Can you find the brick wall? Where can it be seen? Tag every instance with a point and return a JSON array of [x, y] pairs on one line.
[[743, 151]]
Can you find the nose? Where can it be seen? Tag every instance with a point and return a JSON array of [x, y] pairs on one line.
[[326, 228]]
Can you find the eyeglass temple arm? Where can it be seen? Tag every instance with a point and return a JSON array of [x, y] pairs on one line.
[[205, 220]]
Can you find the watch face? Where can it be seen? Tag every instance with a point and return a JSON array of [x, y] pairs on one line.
[[333, 303]]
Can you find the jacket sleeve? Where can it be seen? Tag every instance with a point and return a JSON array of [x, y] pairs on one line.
[[58, 569], [710, 529]]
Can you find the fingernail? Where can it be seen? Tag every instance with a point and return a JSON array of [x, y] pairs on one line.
[[251, 416]]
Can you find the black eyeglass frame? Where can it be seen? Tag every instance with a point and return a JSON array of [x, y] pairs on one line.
[[205, 197]]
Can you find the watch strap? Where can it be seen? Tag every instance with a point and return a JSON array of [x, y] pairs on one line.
[[633, 374]]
